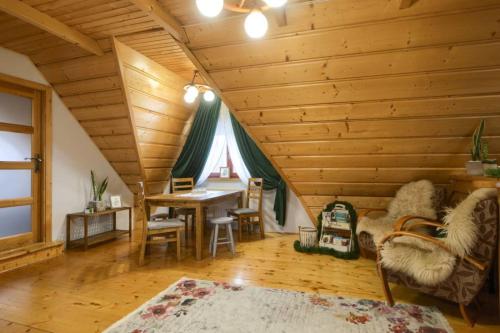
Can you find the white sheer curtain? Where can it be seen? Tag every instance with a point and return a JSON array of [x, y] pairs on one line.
[[216, 152], [234, 152], [224, 135]]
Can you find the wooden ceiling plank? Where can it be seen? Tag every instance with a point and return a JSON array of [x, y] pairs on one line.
[[162, 18], [45, 22], [406, 4]]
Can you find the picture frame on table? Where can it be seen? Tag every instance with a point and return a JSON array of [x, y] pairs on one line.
[[225, 172], [115, 201]]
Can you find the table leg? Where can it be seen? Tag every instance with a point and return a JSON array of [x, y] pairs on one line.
[[199, 232], [130, 224], [114, 221], [85, 232], [240, 201], [68, 231]]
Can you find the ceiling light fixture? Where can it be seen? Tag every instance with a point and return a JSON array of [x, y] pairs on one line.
[[256, 23], [275, 3], [210, 8], [194, 89]]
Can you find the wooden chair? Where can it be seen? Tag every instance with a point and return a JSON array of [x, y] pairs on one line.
[[179, 185], [250, 216], [162, 231]]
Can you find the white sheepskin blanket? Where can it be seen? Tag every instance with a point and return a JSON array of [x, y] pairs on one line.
[[427, 263], [415, 198]]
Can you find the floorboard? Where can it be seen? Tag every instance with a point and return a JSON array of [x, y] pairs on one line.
[[88, 291]]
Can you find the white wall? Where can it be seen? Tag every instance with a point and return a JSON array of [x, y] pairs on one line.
[[74, 154], [295, 213]]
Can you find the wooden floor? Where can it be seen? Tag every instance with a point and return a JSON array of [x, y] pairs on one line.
[[88, 291]]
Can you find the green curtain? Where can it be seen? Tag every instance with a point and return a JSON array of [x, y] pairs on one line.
[[199, 141], [260, 167]]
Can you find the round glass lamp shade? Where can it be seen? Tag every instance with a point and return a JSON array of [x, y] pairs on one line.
[[191, 94], [275, 3], [210, 8], [208, 96], [256, 24]]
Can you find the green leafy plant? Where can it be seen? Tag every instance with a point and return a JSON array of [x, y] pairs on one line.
[[98, 189], [493, 172], [477, 142]]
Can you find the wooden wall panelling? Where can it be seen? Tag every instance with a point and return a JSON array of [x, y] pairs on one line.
[[355, 99], [161, 118]]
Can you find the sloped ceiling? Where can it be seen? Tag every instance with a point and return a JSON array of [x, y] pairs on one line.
[[91, 86], [350, 99], [355, 98]]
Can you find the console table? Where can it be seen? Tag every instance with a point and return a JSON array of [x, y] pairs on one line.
[[101, 237]]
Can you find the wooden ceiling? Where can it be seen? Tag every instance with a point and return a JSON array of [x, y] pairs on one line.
[[349, 99]]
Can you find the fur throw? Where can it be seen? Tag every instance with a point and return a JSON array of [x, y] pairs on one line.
[[460, 226], [415, 198], [427, 263]]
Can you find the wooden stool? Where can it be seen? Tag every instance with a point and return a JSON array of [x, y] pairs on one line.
[[214, 238]]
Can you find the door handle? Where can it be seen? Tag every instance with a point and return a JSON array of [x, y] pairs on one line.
[[38, 161]]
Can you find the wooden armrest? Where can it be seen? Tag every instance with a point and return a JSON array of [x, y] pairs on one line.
[[399, 225], [365, 212], [479, 264]]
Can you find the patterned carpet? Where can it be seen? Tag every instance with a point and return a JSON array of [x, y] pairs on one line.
[[207, 306]]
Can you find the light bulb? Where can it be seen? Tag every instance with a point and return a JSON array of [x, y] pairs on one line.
[[210, 8], [209, 96], [275, 3], [256, 24], [191, 94]]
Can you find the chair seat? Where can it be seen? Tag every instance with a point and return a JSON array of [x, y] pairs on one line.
[[221, 220], [170, 223], [244, 211]]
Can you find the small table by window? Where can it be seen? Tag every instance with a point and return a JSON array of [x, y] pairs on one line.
[[100, 237]]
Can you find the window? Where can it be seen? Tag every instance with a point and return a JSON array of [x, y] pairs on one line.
[[224, 161]]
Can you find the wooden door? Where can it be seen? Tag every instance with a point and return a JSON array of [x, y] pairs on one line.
[[20, 165]]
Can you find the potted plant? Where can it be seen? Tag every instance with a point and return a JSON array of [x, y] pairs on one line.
[[475, 165], [97, 192], [487, 163]]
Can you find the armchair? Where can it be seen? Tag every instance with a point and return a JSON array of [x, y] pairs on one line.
[[454, 267]]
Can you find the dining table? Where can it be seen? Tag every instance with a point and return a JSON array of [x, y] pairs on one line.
[[199, 200]]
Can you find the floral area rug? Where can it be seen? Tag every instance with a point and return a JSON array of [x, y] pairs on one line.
[[207, 306]]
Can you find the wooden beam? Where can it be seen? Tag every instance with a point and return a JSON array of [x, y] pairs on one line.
[[406, 3], [45, 22], [280, 16], [162, 18]]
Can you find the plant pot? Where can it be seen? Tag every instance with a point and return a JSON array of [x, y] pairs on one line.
[[99, 206], [474, 168], [489, 164]]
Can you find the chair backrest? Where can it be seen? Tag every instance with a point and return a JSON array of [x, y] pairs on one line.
[[254, 193], [182, 184]]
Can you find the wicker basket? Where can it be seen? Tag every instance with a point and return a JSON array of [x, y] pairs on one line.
[[308, 236]]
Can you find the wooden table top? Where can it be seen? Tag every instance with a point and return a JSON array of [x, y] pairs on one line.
[[193, 196]]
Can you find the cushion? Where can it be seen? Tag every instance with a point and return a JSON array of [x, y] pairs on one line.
[[222, 220], [169, 223], [244, 211]]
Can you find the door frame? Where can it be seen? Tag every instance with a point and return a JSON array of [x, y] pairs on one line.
[[45, 97]]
